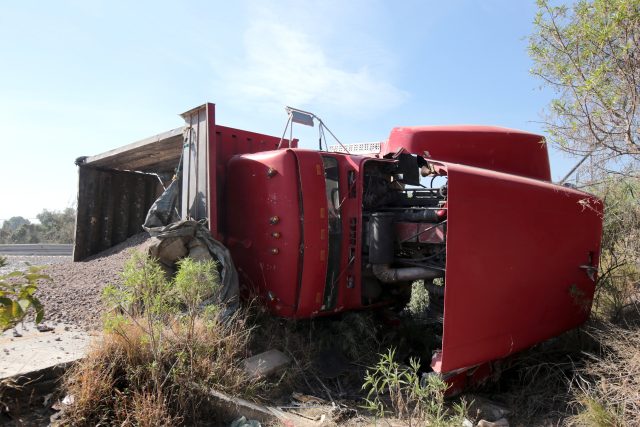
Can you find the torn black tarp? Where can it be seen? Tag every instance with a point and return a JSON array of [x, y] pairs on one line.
[[173, 239], [164, 210]]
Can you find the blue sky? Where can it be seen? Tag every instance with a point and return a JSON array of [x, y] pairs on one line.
[[84, 76]]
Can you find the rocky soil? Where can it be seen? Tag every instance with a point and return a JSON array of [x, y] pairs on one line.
[[74, 294]]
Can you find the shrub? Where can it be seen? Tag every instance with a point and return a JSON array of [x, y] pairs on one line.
[[162, 352], [17, 297], [400, 391], [419, 303], [619, 274]]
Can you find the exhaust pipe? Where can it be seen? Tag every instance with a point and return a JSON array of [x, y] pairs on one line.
[[381, 250], [386, 274]]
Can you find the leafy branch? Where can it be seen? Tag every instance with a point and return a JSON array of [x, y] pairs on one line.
[[17, 296]]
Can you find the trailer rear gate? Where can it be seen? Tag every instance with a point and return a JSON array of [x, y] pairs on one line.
[[117, 188]]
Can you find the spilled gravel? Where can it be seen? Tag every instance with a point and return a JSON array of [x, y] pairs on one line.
[[74, 294]]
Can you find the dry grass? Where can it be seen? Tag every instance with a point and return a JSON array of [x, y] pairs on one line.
[[150, 410], [536, 384], [619, 271], [158, 358], [607, 389], [586, 377], [124, 380]]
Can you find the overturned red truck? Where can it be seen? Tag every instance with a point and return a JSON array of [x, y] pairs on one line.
[[509, 259]]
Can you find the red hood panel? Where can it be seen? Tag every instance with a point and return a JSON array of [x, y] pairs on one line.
[[514, 251]]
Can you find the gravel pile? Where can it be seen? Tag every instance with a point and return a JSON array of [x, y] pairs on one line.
[[74, 294]]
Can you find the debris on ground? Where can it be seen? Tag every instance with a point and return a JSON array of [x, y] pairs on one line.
[[264, 364], [502, 422], [244, 422], [42, 327], [485, 409]]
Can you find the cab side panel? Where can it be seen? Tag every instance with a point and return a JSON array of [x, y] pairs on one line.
[[263, 226]]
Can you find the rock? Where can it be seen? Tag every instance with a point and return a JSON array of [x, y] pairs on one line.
[[486, 409], [502, 422], [244, 422], [44, 328], [266, 363]]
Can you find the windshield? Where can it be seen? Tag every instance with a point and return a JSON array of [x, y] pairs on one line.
[[332, 187]]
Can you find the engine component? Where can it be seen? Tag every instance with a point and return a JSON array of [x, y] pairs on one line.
[[424, 215], [381, 238], [386, 274]]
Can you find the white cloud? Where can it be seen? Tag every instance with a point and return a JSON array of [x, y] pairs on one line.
[[284, 66]]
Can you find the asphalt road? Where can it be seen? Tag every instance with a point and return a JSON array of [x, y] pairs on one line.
[[38, 249]]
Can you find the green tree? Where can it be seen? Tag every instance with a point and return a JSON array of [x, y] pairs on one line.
[[13, 223], [57, 227], [16, 229], [26, 233], [589, 54], [54, 227]]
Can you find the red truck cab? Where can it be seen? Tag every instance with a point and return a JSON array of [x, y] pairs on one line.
[[315, 233]]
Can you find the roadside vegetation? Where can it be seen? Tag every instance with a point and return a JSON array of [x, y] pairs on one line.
[[161, 351], [17, 296], [406, 394], [53, 227], [587, 54]]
